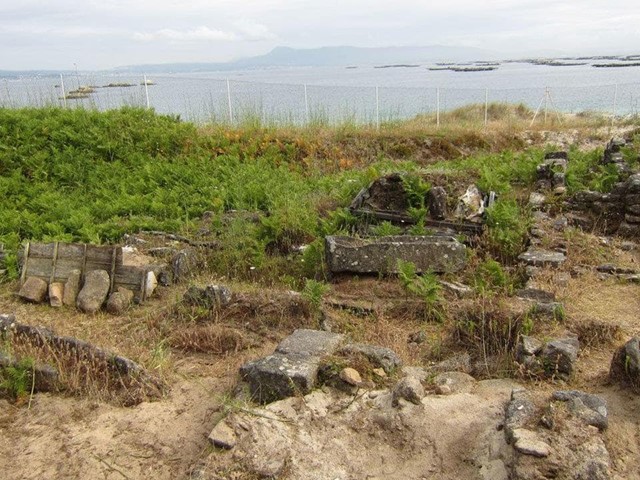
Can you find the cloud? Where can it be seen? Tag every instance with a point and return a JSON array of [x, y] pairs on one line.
[[64, 31], [251, 30], [197, 34], [244, 30]]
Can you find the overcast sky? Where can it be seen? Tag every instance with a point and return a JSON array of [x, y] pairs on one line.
[[97, 34]]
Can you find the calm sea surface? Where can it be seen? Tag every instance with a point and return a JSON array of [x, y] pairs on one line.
[[360, 94]]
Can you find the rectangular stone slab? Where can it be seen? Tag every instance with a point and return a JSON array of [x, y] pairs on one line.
[[380, 255], [280, 376], [315, 343]]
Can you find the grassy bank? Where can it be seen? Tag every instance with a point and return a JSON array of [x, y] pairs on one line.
[[79, 175]]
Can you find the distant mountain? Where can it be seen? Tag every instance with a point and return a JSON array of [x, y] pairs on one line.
[[329, 56]]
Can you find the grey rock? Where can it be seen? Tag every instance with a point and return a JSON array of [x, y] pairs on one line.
[[593, 461], [632, 219], [558, 179], [625, 365], [629, 230], [536, 294], [182, 265], [293, 368], [550, 309], [71, 288], [456, 363], [315, 343], [410, 389], [279, 376], [536, 199], [119, 301], [34, 290], [560, 224], [378, 356], [613, 269], [418, 372], [470, 205], [591, 409], [94, 291], [384, 194], [633, 184], [527, 347], [46, 379], [458, 289], [211, 296], [519, 413], [538, 257], [223, 436], [559, 356], [528, 443], [633, 210], [457, 382], [437, 203], [429, 253], [351, 376]]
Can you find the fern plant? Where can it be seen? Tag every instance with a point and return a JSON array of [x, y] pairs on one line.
[[425, 286], [17, 379]]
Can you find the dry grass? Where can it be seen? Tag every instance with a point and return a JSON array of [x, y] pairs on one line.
[[214, 339], [607, 301]]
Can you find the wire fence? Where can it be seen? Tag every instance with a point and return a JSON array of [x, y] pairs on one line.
[[233, 101]]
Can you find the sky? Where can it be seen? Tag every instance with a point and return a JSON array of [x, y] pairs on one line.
[[102, 34]]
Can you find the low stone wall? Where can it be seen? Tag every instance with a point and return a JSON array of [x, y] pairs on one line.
[[615, 212]]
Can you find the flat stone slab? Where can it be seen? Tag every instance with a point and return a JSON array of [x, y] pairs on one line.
[[315, 343], [439, 254], [279, 376], [528, 443], [293, 368], [538, 257]]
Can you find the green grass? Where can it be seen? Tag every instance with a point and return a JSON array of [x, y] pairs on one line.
[[89, 176]]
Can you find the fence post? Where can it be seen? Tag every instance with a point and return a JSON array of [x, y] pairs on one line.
[[437, 107], [546, 104], [64, 94], [306, 103], [377, 108], [229, 99], [615, 100], [146, 89], [486, 107]]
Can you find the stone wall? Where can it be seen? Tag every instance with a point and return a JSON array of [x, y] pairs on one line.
[[615, 212]]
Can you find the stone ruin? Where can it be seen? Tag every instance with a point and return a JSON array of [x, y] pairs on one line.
[[613, 156], [293, 368], [551, 174], [615, 212], [520, 434], [85, 276], [386, 199]]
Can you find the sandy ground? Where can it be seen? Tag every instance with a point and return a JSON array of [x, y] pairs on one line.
[[84, 438]]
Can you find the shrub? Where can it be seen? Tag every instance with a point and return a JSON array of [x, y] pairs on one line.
[[426, 287], [17, 380], [507, 231]]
